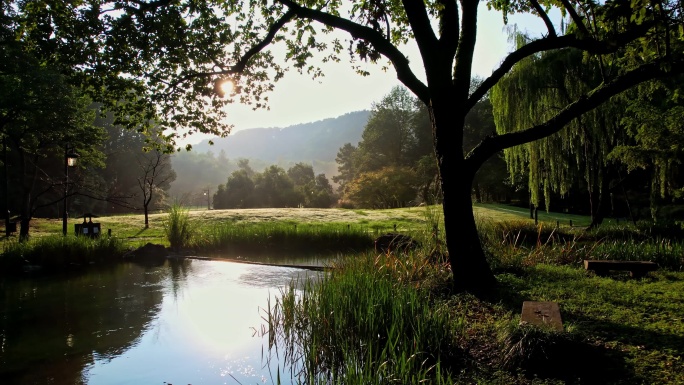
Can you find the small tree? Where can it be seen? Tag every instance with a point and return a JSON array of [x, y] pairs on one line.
[[154, 178]]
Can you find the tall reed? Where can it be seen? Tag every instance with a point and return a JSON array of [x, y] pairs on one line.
[[360, 325], [177, 227]]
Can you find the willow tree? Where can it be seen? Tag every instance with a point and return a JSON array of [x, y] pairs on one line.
[[535, 90], [653, 119], [173, 54]]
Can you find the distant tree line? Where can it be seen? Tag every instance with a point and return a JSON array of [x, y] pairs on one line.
[[274, 187]]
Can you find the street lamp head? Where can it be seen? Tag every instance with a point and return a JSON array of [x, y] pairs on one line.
[[71, 158]]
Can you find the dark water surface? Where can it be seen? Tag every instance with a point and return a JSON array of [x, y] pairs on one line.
[[185, 322]]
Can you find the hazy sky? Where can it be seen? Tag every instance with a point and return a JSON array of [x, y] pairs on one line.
[[299, 99]]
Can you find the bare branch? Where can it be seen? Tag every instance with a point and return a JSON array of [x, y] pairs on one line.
[[544, 16], [381, 44]]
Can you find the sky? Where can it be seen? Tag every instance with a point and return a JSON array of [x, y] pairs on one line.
[[299, 99]]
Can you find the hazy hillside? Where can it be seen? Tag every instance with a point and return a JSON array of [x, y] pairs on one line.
[[316, 141]]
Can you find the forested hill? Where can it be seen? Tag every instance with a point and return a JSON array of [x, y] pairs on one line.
[[318, 141]]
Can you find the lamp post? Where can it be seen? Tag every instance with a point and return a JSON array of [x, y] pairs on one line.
[[208, 199], [6, 188], [70, 158]]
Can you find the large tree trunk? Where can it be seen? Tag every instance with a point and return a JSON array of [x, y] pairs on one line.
[[470, 269]]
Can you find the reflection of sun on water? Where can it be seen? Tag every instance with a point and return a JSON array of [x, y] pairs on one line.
[[221, 313]]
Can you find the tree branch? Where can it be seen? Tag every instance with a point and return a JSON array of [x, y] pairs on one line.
[[493, 144], [466, 47], [449, 28], [576, 17], [420, 25], [240, 66], [589, 45], [545, 17], [382, 45], [244, 60]]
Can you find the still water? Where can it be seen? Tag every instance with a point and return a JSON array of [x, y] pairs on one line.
[[184, 322]]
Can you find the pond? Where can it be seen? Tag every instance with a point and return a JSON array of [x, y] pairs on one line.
[[184, 322]]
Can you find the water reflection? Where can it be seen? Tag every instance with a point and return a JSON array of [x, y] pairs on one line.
[[186, 322]]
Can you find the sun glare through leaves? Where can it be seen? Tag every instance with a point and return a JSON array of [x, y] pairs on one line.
[[224, 87]]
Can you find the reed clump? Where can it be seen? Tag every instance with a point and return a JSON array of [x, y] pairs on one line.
[[362, 325], [178, 227]]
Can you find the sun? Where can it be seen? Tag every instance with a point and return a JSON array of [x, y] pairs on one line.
[[227, 87], [224, 87]]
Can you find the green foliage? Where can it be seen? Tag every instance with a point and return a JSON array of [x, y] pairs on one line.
[[396, 143], [389, 187], [532, 93], [653, 120], [345, 166]]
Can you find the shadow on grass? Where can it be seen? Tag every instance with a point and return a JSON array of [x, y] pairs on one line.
[[597, 351], [139, 232]]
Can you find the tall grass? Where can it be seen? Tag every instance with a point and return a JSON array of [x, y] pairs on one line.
[[434, 241], [59, 252], [361, 325], [278, 238], [520, 244], [177, 227]]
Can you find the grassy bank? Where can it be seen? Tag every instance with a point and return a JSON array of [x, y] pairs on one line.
[[219, 232], [381, 319]]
